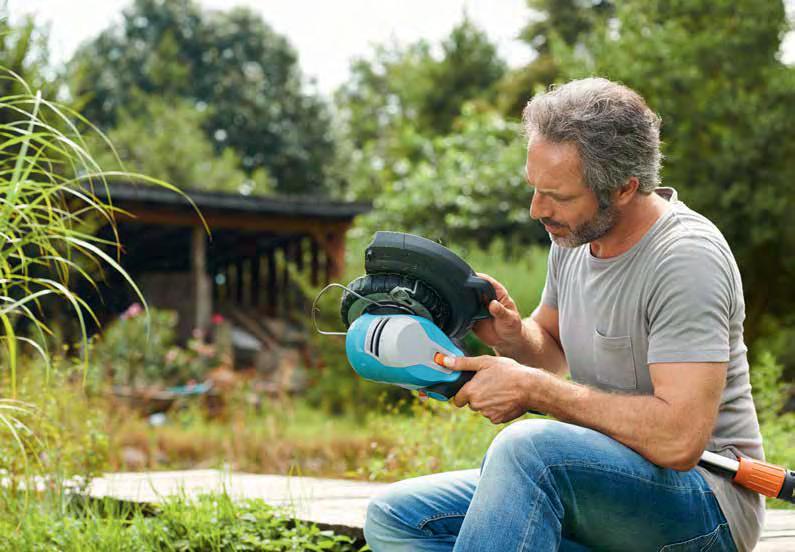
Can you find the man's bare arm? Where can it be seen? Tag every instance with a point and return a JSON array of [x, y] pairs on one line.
[[540, 342], [669, 428]]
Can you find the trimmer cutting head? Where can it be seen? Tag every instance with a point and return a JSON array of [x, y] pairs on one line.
[[408, 274]]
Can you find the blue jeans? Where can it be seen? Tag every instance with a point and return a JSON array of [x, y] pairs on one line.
[[547, 485]]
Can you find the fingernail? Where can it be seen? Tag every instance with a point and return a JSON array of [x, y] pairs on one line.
[[449, 362]]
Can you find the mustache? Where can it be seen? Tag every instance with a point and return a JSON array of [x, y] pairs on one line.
[[551, 223]]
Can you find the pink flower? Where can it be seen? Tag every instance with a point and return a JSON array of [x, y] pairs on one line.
[[172, 355], [217, 319], [132, 311]]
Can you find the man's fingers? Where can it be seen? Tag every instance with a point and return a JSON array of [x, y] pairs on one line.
[[464, 364], [502, 312], [497, 309], [462, 397], [498, 287]]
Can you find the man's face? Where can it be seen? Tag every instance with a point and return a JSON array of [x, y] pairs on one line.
[[562, 201]]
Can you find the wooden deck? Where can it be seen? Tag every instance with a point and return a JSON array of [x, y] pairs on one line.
[[333, 503]]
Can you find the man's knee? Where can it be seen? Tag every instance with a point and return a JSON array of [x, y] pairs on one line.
[[383, 521], [532, 443], [377, 523]]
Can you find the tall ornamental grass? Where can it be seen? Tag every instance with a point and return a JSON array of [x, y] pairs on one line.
[[47, 211]]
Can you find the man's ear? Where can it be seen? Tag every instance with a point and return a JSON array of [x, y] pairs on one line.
[[626, 192]]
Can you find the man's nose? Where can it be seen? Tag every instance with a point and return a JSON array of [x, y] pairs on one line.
[[539, 207]]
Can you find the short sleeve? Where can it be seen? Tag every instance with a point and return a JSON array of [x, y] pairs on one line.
[[549, 296], [690, 305]]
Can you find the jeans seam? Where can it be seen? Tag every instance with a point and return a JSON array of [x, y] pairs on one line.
[[425, 521], [714, 534], [531, 521], [597, 467]]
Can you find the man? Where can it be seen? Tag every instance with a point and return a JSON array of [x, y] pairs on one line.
[[643, 306]]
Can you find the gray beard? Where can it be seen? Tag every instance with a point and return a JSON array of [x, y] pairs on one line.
[[602, 222]]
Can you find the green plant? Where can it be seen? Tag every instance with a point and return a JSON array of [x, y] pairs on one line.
[[205, 523], [62, 431], [770, 394], [137, 350]]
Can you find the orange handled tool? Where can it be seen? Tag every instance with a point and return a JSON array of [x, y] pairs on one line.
[[761, 477]]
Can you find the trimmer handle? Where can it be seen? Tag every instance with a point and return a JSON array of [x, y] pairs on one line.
[[767, 479], [448, 389]]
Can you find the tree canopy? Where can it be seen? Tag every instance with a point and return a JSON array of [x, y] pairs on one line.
[[231, 65]]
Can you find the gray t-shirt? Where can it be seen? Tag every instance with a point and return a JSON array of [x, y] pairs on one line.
[[675, 296]]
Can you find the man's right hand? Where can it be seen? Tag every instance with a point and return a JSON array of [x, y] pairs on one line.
[[504, 330]]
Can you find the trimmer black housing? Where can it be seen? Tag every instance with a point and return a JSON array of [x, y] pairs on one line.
[[409, 274]]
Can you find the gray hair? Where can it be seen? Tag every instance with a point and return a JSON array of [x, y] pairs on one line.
[[615, 132]]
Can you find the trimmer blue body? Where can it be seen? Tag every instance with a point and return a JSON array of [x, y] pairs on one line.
[[401, 349]]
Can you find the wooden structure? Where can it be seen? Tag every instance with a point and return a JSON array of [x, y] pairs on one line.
[[245, 261]]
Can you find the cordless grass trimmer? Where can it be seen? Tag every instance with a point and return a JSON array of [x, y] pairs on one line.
[[417, 299]]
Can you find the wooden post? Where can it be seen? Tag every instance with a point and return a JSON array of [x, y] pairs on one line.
[[228, 283], [254, 281], [216, 292], [286, 278], [202, 295], [273, 283], [315, 262], [334, 247], [239, 277], [298, 251]]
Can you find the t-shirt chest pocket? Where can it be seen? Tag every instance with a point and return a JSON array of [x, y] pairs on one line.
[[614, 361]]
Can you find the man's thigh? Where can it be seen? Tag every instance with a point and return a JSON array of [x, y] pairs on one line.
[[603, 494]]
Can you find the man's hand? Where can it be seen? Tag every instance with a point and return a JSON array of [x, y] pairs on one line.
[[499, 389], [504, 330]]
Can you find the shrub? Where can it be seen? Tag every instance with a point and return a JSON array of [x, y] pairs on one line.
[[136, 351]]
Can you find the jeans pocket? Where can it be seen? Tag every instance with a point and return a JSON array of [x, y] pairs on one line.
[[719, 540]]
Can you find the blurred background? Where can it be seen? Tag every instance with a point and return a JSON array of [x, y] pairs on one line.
[[299, 128]]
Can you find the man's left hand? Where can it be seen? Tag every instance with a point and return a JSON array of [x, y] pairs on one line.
[[500, 389]]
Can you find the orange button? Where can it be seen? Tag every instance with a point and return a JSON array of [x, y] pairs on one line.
[[438, 358]]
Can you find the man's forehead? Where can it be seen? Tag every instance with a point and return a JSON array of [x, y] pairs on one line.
[[551, 164]]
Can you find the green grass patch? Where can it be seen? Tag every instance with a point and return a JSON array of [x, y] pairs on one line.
[[206, 523]]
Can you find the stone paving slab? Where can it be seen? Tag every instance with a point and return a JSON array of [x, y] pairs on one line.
[[328, 501], [336, 503]]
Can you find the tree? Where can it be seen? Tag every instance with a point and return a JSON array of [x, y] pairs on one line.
[[469, 187], [402, 96], [710, 68], [164, 140], [565, 20], [231, 64]]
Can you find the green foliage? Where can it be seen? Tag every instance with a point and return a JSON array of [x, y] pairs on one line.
[[47, 211], [206, 523], [435, 437], [568, 20], [396, 101], [411, 85], [164, 138], [467, 186], [711, 70], [770, 394], [137, 350], [230, 63], [565, 20], [61, 428], [23, 51]]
